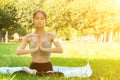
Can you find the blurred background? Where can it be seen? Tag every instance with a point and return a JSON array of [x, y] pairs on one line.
[[78, 20], [88, 30]]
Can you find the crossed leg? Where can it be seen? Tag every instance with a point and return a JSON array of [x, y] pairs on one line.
[[34, 72]]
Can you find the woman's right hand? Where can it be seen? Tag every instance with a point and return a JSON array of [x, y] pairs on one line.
[[36, 49], [22, 51]]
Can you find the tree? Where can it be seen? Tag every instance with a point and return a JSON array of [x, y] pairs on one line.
[[58, 14], [8, 20], [25, 12]]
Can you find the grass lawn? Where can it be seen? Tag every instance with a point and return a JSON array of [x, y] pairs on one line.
[[104, 59]]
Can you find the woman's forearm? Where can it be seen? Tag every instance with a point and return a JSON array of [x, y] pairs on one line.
[[23, 51], [53, 50]]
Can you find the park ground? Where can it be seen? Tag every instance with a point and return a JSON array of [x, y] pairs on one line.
[[104, 59]]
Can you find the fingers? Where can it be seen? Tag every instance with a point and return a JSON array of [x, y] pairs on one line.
[[38, 41]]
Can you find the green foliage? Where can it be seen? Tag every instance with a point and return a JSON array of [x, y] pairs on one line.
[[20, 31], [8, 20], [25, 12], [8, 17], [58, 14], [86, 16], [66, 33]]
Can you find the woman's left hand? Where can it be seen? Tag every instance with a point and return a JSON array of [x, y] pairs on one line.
[[41, 47]]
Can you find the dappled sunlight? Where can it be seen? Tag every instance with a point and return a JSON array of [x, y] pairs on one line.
[[87, 50], [118, 3], [90, 50], [104, 68]]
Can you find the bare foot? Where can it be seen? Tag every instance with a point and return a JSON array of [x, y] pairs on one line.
[[28, 70]]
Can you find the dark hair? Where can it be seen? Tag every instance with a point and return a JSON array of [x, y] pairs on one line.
[[37, 11]]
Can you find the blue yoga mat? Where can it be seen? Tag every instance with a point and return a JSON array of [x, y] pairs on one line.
[[84, 71]]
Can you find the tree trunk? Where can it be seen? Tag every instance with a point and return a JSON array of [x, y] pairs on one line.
[[6, 37], [0, 35], [117, 36], [105, 37], [110, 36], [101, 38]]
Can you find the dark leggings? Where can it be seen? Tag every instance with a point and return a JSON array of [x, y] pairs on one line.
[[41, 67]]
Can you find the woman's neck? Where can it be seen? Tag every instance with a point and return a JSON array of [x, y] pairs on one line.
[[40, 31]]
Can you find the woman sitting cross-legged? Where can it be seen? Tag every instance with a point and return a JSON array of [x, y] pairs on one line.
[[40, 43]]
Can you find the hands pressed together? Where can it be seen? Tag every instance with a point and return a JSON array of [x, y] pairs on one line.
[[39, 47], [22, 50]]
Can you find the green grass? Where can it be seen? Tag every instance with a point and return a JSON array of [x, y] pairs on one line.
[[104, 59]]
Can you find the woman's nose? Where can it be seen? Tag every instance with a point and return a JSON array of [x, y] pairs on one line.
[[39, 20]]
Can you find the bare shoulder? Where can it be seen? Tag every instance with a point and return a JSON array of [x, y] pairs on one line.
[[52, 36], [27, 37]]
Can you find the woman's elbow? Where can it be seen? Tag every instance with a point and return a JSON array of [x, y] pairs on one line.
[[18, 52], [60, 50]]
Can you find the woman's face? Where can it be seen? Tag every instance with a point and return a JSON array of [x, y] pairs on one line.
[[39, 19]]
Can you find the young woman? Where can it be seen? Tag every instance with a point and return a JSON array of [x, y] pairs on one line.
[[40, 43]]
